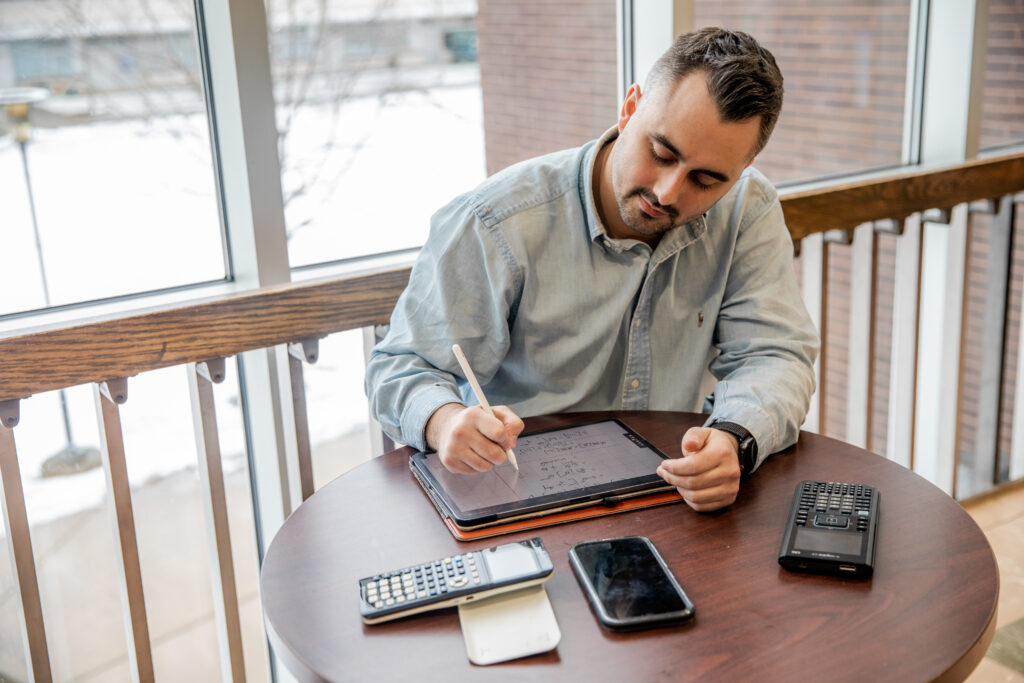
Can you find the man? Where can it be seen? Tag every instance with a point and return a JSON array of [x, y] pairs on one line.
[[604, 277]]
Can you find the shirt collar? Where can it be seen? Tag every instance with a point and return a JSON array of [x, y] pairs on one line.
[[671, 242]]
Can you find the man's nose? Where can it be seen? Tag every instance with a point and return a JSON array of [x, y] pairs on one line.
[[669, 187]]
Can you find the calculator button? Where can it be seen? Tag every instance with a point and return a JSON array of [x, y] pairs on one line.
[[458, 581], [832, 521]]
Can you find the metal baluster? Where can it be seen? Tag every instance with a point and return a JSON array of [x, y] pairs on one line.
[[108, 396], [23, 564], [306, 351], [201, 378]]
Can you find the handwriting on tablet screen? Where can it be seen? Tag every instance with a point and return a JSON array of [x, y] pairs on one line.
[[551, 463]]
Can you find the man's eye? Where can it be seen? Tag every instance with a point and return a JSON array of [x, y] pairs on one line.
[[659, 158], [697, 180]]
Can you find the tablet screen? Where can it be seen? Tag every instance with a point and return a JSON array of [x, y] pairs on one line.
[[556, 467]]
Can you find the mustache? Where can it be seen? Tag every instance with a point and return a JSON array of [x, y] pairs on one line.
[[653, 201]]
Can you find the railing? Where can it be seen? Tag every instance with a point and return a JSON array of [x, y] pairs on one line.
[[201, 335]]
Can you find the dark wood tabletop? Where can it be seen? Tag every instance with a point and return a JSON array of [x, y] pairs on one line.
[[928, 613]]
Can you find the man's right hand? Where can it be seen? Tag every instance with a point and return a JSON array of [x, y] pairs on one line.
[[469, 440]]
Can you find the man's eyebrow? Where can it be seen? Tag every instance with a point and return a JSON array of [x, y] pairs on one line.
[[663, 141]]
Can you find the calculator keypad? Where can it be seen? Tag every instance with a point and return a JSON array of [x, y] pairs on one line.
[[835, 505], [423, 583]]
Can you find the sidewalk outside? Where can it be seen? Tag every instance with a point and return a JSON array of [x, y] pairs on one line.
[[79, 584]]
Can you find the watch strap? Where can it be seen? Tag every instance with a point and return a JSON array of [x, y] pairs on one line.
[[747, 444]]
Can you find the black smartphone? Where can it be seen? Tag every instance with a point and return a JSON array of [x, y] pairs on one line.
[[628, 583]]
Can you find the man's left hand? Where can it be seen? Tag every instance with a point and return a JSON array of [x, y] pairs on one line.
[[708, 474]]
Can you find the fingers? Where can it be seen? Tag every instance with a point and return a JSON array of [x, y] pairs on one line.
[[694, 439], [708, 474], [471, 440], [513, 424]]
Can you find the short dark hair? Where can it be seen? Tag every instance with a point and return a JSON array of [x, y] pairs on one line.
[[742, 77]]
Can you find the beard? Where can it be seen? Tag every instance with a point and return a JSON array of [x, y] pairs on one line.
[[637, 220]]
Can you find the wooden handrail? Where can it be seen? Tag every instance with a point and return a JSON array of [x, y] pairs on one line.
[[34, 362], [260, 318], [847, 205]]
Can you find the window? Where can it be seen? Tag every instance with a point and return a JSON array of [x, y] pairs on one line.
[[109, 189], [379, 120]]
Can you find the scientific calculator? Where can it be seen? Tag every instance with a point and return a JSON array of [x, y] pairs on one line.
[[452, 580], [831, 529]]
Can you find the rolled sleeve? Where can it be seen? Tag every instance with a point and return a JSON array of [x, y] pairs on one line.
[[459, 291], [767, 342]]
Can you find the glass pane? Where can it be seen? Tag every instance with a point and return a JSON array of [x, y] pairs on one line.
[[336, 407], [1002, 107], [378, 109], [845, 67], [387, 110], [105, 164]]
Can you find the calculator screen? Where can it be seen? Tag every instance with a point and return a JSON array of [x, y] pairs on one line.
[[510, 561], [841, 542]]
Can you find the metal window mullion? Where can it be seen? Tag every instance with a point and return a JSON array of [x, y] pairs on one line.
[[129, 569], [950, 132], [903, 366], [814, 283], [23, 565], [1015, 466], [914, 89], [648, 29], [241, 99], [939, 343], [861, 337], [215, 513], [993, 349]]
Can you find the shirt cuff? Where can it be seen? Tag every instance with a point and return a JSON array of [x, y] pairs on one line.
[[419, 408], [754, 420]]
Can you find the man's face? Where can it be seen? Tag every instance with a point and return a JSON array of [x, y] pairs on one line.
[[674, 157]]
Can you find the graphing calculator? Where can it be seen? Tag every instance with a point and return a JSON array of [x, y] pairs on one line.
[[831, 529], [453, 580]]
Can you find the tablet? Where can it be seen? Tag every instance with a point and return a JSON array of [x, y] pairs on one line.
[[561, 468]]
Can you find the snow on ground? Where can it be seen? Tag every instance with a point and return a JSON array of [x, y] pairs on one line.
[[130, 206]]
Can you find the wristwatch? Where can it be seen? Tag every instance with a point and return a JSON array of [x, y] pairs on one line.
[[747, 451]]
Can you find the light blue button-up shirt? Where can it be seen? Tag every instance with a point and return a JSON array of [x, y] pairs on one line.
[[556, 316]]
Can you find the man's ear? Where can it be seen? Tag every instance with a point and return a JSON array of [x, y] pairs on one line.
[[629, 105]]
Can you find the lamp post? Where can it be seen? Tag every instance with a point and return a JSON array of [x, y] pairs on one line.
[[16, 103]]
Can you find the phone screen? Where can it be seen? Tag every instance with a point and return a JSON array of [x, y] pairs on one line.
[[627, 578]]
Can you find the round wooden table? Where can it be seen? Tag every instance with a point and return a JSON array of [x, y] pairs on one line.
[[928, 613]]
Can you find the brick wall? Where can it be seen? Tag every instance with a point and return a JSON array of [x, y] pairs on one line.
[[548, 71], [1002, 109], [844, 66]]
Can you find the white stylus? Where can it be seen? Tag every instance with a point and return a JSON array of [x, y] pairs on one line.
[[479, 393]]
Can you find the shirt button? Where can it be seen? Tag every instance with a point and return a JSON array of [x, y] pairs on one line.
[[635, 383], [638, 321], [607, 243]]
